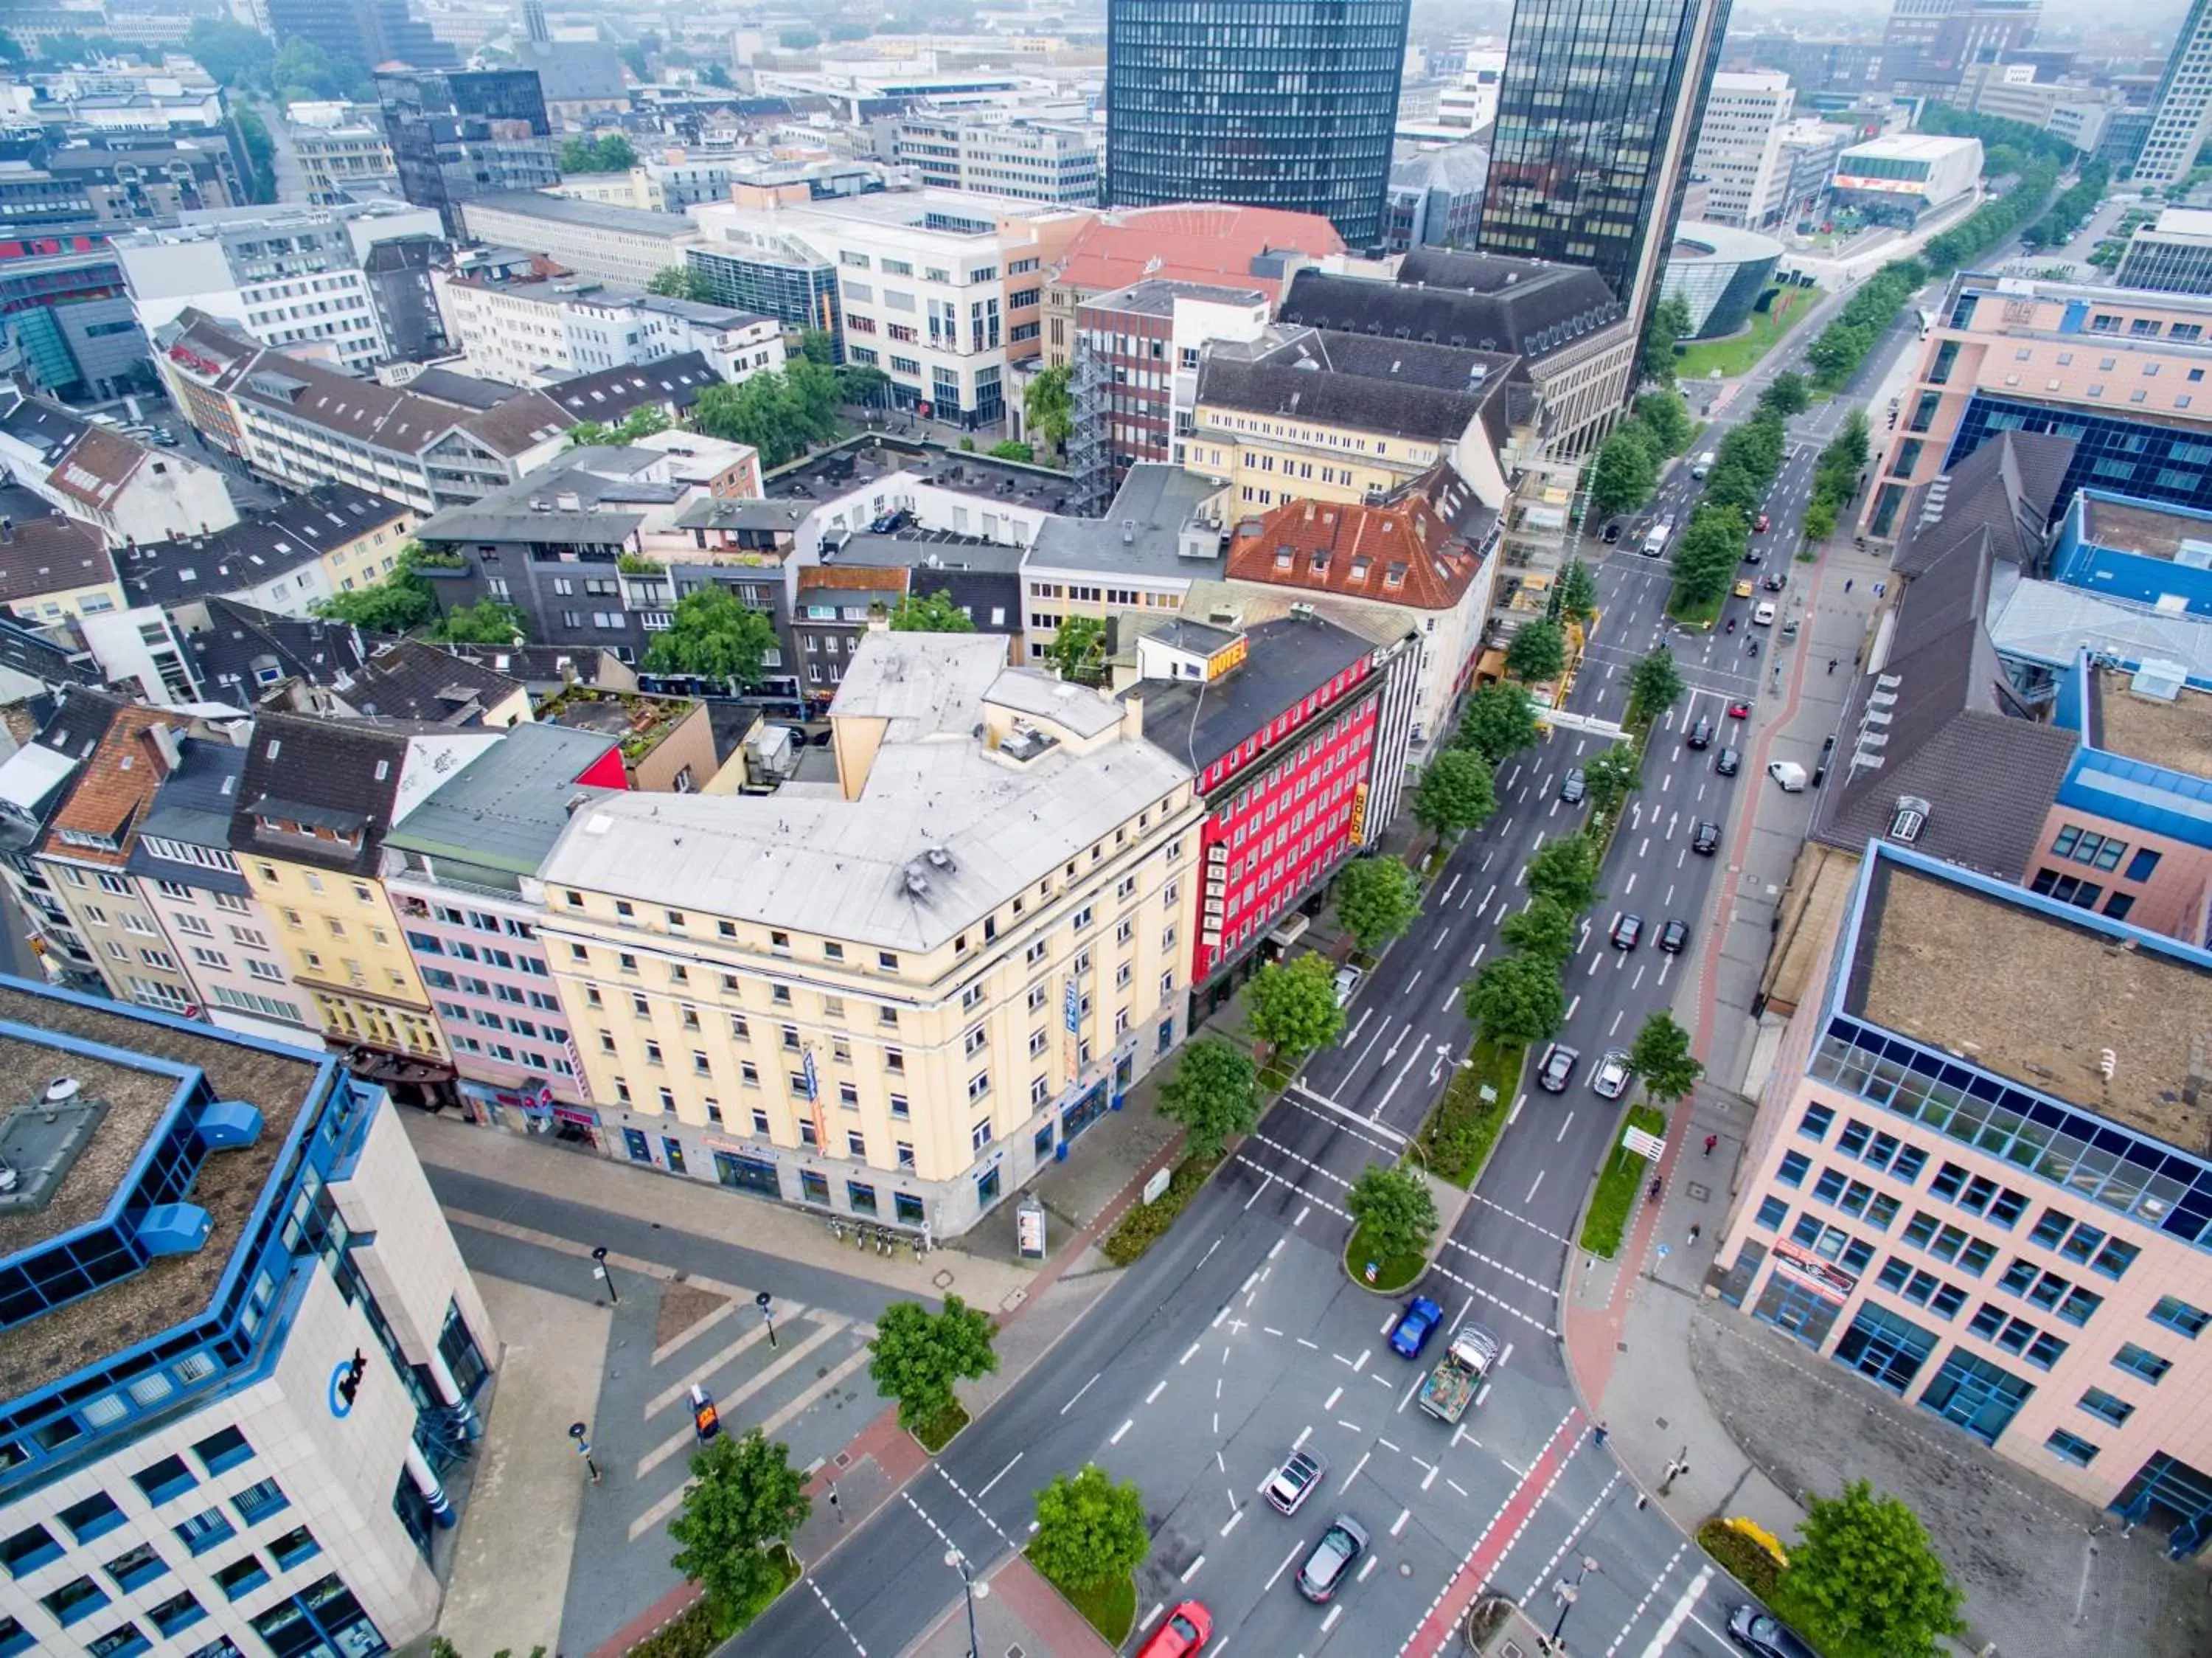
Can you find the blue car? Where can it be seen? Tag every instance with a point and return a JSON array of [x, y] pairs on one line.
[[1415, 1326]]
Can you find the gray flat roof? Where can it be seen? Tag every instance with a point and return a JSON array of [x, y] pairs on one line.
[[1141, 534], [633, 221], [506, 807]]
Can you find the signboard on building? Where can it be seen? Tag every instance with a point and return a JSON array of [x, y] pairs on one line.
[[1359, 815], [1229, 656], [1824, 1278]]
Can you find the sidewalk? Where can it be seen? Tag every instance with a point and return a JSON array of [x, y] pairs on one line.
[[1016, 1610]]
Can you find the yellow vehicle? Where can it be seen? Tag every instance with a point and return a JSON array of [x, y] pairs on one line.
[[1743, 589]]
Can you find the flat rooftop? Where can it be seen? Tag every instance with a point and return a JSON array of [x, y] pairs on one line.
[[2177, 736], [173, 1288], [2018, 990], [2128, 525], [1908, 147]]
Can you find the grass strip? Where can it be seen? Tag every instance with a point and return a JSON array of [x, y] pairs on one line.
[[1110, 1607], [937, 1433], [1392, 1272], [1146, 1224], [1455, 1143], [1614, 1199]]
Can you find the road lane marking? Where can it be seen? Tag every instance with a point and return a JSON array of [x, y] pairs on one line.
[[1187, 1351], [1360, 1364], [1399, 1524], [1279, 1570], [1231, 1526], [1191, 1570], [1009, 1468], [1122, 1430], [1329, 1404], [1565, 1123], [1354, 1474]]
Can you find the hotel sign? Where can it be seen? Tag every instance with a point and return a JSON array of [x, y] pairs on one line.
[[1230, 655], [1359, 815]]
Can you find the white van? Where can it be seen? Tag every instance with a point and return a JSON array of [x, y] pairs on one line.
[[1789, 775], [1704, 464], [1655, 537]]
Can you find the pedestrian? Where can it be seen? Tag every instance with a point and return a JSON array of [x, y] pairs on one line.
[[1832, 665], [1711, 1140], [1598, 1435], [1847, 585], [1694, 1230]]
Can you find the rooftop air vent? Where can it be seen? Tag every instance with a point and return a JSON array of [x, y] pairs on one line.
[[2162, 681], [939, 858], [915, 880]]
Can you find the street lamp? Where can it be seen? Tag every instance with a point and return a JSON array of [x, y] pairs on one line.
[[975, 1592], [579, 1434], [600, 1269], [1568, 1594], [766, 1302]]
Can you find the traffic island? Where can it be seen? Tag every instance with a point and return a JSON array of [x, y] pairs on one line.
[[1389, 1275], [1455, 1143], [1606, 1222], [1110, 1607], [938, 1431]]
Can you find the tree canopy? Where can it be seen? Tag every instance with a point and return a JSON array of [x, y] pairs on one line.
[[1660, 1056], [1538, 653], [1865, 1580], [1565, 870], [1292, 1005], [782, 415], [917, 1356], [607, 153], [1090, 1530], [1048, 405], [487, 622], [1455, 794], [1515, 1000], [1377, 899], [1611, 775], [1214, 1094], [1622, 477], [679, 282], [1665, 419], [930, 613], [1574, 595], [1394, 1209], [1498, 722], [744, 1500], [1655, 684], [1543, 929], [712, 636], [1670, 323], [1078, 649]]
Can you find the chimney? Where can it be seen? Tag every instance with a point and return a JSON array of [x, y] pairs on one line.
[[164, 747]]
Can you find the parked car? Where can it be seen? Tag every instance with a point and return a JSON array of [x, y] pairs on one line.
[[1728, 762], [1557, 1066], [1626, 931], [1700, 735], [1187, 1631], [1675, 937], [1611, 532], [1706, 840], [1610, 1080], [1789, 628], [1332, 1559], [1764, 1635], [1789, 774], [1347, 982], [1574, 786], [1298, 1478], [1414, 1328]]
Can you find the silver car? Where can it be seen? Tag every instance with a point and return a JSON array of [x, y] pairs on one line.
[[1298, 1478], [1610, 1080], [1332, 1559]]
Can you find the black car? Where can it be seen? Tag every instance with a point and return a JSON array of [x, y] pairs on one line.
[[1707, 839], [1612, 533], [1763, 1635], [1574, 786], [1674, 936], [1627, 932], [1728, 762], [1557, 1067], [1700, 734]]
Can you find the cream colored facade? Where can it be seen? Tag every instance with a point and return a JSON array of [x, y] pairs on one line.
[[342, 944], [1268, 461], [944, 1068]]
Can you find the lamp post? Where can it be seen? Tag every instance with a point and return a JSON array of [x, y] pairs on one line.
[[766, 1302], [600, 1269], [579, 1434], [975, 1591], [1568, 1593]]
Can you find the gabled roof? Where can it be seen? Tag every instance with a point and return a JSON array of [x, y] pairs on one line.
[[51, 554], [97, 468], [1285, 661], [113, 788], [407, 680], [610, 394], [1405, 388], [243, 651], [1483, 302], [1402, 553], [260, 547], [2008, 486], [193, 807], [340, 776]]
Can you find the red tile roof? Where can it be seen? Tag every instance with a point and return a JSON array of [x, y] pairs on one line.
[[1193, 241], [1401, 554], [115, 788]]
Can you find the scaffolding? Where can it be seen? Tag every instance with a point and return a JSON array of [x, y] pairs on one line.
[[1091, 449]]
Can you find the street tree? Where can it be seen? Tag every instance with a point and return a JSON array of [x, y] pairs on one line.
[[1499, 722], [1543, 930], [1538, 653], [1655, 684], [1611, 777], [743, 1502], [1565, 871], [930, 613], [1621, 478], [1865, 1582], [1660, 1056], [1787, 394], [1078, 649], [487, 622], [588, 433], [1377, 899], [1515, 1000], [1293, 1007], [917, 1355], [712, 636], [1670, 323], [1820, 521], [1089, 1531], [399, 603], [1667, 418], [1574, 597], [1049, 405], [1394, 1209], [1455, 794], [1214, 1094]]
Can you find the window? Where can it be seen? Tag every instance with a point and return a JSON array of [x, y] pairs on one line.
[[205, 1531], [979, 1085], [256, 1503], [2177, 1314], [225, 1449], [1793, 1168], [1772, 1214], [2106, 1407], [77, 1598], [2070, 1447], [166, 1479], [136, 1567], [28, 1550], [95, 1516], [242, 1576], [1815, 1123], [2141, 1361]]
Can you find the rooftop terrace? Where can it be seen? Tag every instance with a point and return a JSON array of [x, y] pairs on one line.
[[2175, 735]]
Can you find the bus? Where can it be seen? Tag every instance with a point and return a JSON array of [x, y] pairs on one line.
[[1655, 537]]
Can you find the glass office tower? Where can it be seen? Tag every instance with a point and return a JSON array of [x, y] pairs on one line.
[[1598, 114], [1265, 103]]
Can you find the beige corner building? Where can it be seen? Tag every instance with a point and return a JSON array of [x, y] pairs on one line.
[[895, 994]]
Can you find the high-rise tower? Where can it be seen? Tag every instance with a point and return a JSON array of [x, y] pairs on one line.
[[1266, 103], [2179, 115]]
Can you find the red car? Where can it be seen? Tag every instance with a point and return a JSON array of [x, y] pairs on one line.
[[1739, 710], [1188, 1628], [1759, 523]]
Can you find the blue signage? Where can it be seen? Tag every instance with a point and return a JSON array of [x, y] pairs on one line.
[[806, 1070], [1072, 1004]]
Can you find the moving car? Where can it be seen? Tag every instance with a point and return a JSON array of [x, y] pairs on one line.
[[1789, 628], [1611, 532], [1187, 1629], [1332, 1559], [1764, 616], [1610, 1080], [1740, 710], [1454, 1384], [1298, 1478], [1626, 931], [1706, 840], [1743, 588], [1556, 1067], [1763, 1635], [1414, 1328], [1674, 936], [1700, 735], [1704, 463], [1774, 580], [1789, 774], [1728, 762], [1574, 786], [1759, 524], [1347, 982]]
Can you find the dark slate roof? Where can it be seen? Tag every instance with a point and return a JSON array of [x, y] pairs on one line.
[[258, 547], [469, 391], [2008, 486], [407, 680], [610, 394], [1408, 388], [243, 651], [1479, 301], [52, 554], [343, 775], [42, 426], [193, 805], [1287, 660], [536, 666], [79, 722]]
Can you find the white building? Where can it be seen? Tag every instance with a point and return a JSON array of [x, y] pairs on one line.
[[941, 289], [1917, 171], [592, 239], [1805, 159], [1465, 109], [128, 490], [530, 333], [2182, 108], [288, 276], [226, 1425], [1739, 146], [1035, 161]]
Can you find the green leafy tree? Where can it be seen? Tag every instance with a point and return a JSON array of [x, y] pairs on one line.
[[816, 346], [1077, 650], [1514, 1000], [1538, 653], [1787, 394], [677, 282], [399, 603], [1611, 777], [301, 68], [1012, 450], [1049, 406], [1394, 1209], [715, 76], [1542, 931], [589, 434], [1660, 1056], [642, 422], [1377, 899], [235, 55], [1819, 520], [611, 153], [1670, 323], [860, 384], [1667, 418], [714, 637], [487, 622], [930, 613], [1565, 871], [1655, 684], [260, 153], [797, 40], [917, 1355], [1214, 1094], [1456, 793], [1622, 477], [1706, 557], [1574, 596], [743, 1501], [1499, 721], [1292, 1006], [1865, 1582], [1089, 1531]]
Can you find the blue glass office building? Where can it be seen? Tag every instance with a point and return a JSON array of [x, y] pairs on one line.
[[2143, 458], [1266, 103]]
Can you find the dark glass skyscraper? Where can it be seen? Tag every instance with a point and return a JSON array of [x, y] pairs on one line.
[[1266, 103], [457, 136], [1598, 114]]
